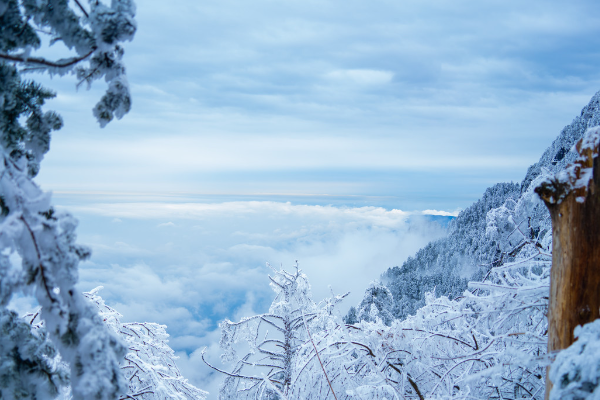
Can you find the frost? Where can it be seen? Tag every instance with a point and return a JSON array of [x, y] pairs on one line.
[[276, 343], [376, 304], [149, 366], [488, 343], [94, 35], [45, 242], [30, 367], [576, 177], [44, 239], [575, 373]]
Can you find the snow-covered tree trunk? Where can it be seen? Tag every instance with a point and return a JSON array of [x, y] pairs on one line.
[[573, 198]]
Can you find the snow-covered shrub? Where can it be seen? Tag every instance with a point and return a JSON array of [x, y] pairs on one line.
[[273, 343], [488, 343], [149, 365]]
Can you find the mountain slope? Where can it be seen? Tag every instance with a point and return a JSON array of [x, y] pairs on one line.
[[468, 253]]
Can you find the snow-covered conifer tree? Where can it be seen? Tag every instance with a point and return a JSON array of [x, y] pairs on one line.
[[30, 229], [376, 303], [352, 316]]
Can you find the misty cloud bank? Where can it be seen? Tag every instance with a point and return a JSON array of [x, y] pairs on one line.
[[190, 265]]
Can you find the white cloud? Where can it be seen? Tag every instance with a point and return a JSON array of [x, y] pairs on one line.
[[442, 213], [190, 281], [266, 209], [464, 87]]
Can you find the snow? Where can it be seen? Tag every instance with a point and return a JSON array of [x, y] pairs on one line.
[[576, 177], [575, 373]]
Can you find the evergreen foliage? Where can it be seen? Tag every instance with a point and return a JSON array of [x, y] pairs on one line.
[[446, 265], [376, 305], [560, 153], [30, 365], [42, 239]]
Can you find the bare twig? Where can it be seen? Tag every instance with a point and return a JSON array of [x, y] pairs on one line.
[[228, 373], [440, 335], [318, 356], [82, 9], [410, 380]]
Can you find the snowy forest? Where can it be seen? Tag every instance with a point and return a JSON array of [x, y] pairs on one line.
[[469, 316]]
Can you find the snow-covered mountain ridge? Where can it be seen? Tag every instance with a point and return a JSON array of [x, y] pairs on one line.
[[468, 253]]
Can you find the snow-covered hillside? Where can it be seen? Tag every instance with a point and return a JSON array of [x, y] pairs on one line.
[[468, 252]]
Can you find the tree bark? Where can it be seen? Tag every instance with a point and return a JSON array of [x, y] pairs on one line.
[[575, 274]]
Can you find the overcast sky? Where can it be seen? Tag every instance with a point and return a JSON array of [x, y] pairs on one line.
[[381, 98], [269, 131]]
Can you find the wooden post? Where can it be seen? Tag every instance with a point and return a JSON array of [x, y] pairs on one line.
[[573, 198]]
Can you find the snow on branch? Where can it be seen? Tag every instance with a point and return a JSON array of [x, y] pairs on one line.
[[488, 343], [95, 38], [576, 177], [275, 343], [149, 365]]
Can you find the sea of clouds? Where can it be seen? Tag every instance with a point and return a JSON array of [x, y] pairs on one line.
[[189, 265]]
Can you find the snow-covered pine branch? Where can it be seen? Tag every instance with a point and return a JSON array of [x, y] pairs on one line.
[[31, 367], [576, 371], [45, 243], [42, 239], [93, 33], [149, 366]]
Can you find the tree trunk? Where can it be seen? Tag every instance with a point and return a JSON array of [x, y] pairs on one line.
[[575, 273]]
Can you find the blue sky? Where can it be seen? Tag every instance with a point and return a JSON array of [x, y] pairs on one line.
[[271, 131]]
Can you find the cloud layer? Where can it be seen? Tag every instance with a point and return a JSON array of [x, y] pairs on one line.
[[190, 265]]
